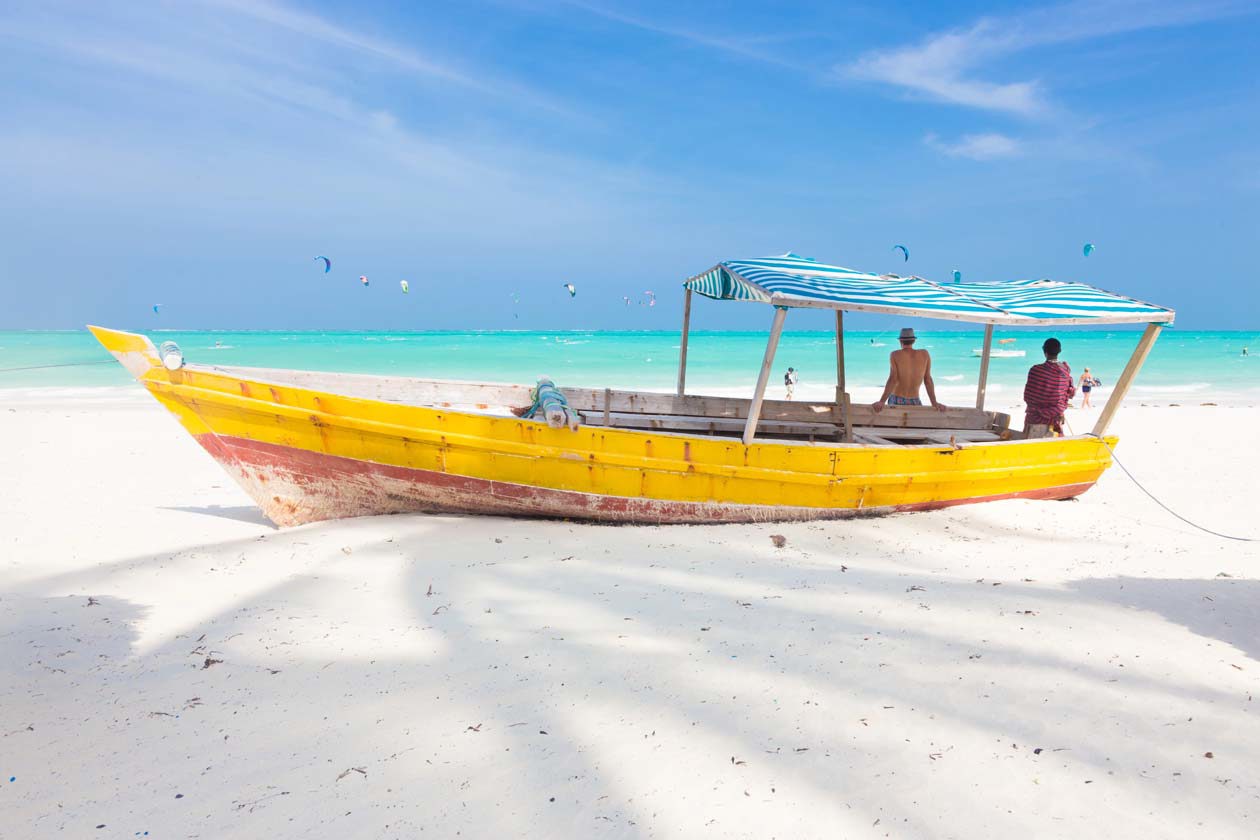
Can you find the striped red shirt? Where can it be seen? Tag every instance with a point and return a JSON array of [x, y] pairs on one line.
[[1047, 392]]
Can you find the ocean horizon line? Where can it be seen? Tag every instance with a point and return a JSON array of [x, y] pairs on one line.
[[970, 328]]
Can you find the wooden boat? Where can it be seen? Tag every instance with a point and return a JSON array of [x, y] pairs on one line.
[[309, 446]]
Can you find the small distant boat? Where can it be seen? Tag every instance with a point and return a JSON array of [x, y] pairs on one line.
[[999, 354]]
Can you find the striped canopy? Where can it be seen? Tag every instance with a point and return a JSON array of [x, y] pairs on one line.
[[795, 281]]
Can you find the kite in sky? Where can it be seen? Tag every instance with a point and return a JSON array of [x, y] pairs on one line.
[[1088, 249], [363, 279], [957, 276], [905, 252], [156, 306], [403, 285], [572, 291], [327, 264], [651, 295]]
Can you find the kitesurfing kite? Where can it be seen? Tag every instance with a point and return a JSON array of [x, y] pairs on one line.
[[1088, 249], [403, 284], [957, 276], [904, 251], [626, 299], [652, 296], [363, 279], [327, 264], [572, 290], [156, 306]]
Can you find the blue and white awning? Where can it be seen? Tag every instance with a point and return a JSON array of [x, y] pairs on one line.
[[795, 281]]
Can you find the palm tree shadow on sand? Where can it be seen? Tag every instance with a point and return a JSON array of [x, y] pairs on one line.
[[1217, 608]]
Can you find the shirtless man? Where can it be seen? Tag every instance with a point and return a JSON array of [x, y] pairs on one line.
[[908, 369]]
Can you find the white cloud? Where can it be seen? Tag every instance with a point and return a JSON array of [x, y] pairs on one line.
[[938, 68], [947, 66], [989, 146]]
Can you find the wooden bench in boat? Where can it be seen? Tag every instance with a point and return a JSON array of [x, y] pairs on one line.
[[710, 425], [640, 402], [734, 427], [882, 436], [666, 412]]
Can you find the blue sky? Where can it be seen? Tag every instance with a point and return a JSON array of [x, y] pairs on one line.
[[199, 153]]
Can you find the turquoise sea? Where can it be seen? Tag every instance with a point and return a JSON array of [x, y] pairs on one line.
[[1189, 366]]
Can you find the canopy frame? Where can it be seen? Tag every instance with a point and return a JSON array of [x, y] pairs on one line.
[[990, 315]]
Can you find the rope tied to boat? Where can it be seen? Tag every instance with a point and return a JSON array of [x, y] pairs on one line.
[[1156, 499], [550, 402]]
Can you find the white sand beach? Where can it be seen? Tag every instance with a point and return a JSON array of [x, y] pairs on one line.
[[174, 666]]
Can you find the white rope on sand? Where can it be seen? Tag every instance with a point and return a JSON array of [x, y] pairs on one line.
[[1156, 500]]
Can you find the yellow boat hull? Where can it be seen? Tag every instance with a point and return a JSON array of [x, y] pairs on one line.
[[306, 455]]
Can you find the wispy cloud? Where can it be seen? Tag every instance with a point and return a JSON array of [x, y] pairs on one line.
[[951, 66], [741, 47], [989, 146], [408, 59]]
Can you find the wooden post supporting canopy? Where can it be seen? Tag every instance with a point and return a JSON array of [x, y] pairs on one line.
[[842, 398], [984, 366], [754, 410], [682, 348], [1126, 378], [839, 355]]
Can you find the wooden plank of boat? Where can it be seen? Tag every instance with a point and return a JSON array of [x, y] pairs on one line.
[[725, 425], [974, 435], [870, 438]]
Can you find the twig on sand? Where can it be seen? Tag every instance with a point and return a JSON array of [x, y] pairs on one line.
[[350, 770], [254, 802]]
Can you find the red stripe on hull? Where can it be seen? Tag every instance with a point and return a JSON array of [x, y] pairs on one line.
[[295, 486]]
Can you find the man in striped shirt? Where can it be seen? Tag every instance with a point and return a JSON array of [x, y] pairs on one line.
[[1047, 392]]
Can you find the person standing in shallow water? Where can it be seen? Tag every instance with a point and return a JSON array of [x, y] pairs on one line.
[[1086, 385], [789, 382], [907, 370], [1047, 392]]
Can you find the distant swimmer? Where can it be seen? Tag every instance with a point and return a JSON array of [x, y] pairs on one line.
[[908, 370], [789, 382], [1244, 351], [1088, 383]]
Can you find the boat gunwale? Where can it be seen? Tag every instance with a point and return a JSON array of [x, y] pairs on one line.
[[235, 371]]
